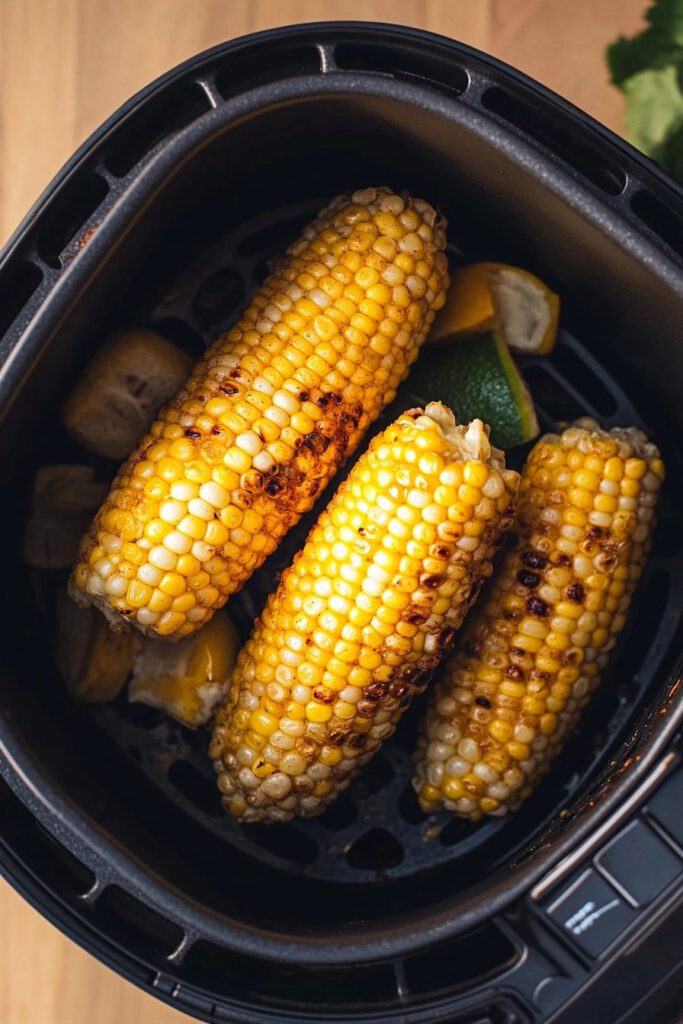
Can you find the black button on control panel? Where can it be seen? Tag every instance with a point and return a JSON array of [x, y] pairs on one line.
[[641, 863], [666, 807], [591, 912]]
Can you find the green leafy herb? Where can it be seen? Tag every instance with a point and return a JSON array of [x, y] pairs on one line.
[[648, 68]]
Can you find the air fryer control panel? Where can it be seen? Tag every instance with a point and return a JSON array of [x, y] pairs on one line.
[[605, 934]]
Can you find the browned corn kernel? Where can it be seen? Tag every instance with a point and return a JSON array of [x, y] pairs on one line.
[[268, 415], [363, 616], [534, 649]]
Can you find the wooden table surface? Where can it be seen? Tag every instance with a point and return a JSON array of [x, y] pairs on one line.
[[65, 65]]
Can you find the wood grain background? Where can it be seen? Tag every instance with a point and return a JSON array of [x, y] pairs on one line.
[[65, 65]]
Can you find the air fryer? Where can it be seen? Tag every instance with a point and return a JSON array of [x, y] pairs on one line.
[[111, 822]]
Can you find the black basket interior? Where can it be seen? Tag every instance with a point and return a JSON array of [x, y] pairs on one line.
[[374, 833]]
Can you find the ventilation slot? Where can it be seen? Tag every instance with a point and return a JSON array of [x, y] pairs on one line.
[[377, 850], [219, 969], [668, 536], [457, 830], [665, 220], [75, 205], [17, 285], [135, 926], [409, 808], [553, 400], [218, 297], [541, 123], [470, 958], [652, 597], [432, 69], [174, 109], [578, 374], [39, 852], [249, 71], [182, 335], [189, 781], [285, 841], [143, 716], [273, 238], [340, 815]]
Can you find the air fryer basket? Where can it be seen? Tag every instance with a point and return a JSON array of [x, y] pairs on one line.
[[110, 820]]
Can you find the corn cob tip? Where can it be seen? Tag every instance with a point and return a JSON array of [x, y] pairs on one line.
[[535, 647], [586, 433], [116, 623], [466, 441]]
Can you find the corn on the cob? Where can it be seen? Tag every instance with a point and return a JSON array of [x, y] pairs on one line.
[[363, 616], [267, 416], [535, 647]]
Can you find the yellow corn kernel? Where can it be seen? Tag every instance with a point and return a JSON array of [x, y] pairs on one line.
[[569, 609], [138, 594], [173, 583], [343, 710], [330, 756], [512, 689], [581, 498], [159, 602], [574, 517], [605, 503], [318, 712], [262, 723], [531, 644], [453, 788], [586, 479], [635, 469], [614, 468], [184, 602], [132, 553], [429, 795], [630, 488], [169, 622], [501, 731]]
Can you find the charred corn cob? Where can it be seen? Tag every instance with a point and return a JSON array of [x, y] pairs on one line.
[[535, 647], [363, 616], [267, 416]]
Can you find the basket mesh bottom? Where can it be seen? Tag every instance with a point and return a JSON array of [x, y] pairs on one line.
[[376, 830]]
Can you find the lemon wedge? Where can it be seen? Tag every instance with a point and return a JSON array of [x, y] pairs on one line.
[[483, 296], [187, 679], [93, 661]]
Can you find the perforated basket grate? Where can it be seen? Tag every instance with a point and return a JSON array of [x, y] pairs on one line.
[[376, 831]]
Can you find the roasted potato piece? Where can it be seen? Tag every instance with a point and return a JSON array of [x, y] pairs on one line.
[[121, 389]]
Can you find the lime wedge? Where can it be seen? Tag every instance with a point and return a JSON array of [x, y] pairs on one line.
[[478, 378]]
